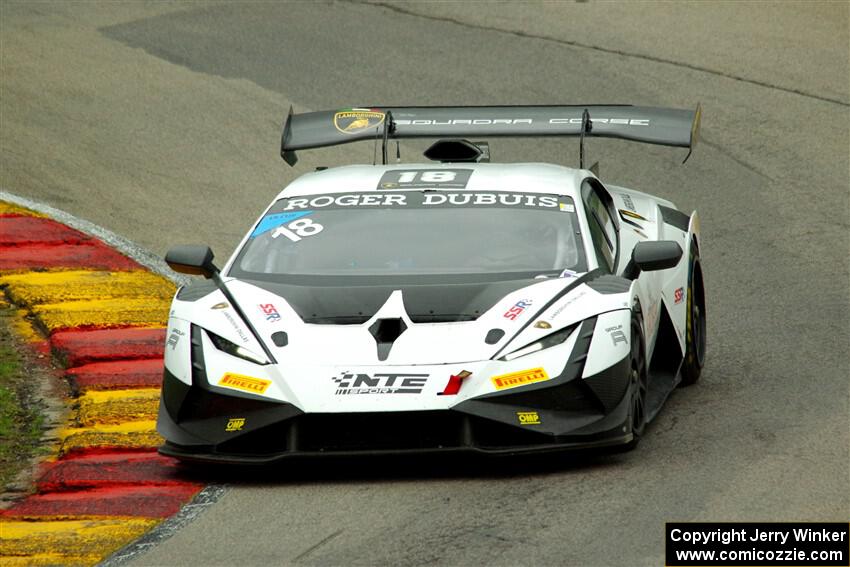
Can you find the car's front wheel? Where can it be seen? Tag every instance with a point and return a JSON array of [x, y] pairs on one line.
[[637, 385], [638, 381]]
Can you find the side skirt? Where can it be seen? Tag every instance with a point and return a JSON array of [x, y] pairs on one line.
[[663, 371]]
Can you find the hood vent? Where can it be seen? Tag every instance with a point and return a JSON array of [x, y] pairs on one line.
[[386, 331]]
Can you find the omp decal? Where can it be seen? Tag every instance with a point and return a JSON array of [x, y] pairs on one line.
[[379, 383], [617, 334], [515, 379], [245, 383], [528, 417], [517, 310], [275, 220], [270, 312], [678, 295], [423, 178], [356, 120], [235, 424]]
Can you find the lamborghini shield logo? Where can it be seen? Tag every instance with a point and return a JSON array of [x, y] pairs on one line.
[[357, 120]]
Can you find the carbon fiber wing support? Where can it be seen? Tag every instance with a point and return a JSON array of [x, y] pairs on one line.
[[649, 125]]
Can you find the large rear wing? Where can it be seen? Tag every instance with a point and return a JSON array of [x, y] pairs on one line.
[[664, 126]]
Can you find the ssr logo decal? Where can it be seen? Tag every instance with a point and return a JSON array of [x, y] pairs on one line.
[[357, 120], [383, 383], [678, 295], [519, 378], [528, 417], [270, 312], [235, 424], [244, 383], [517, 309]]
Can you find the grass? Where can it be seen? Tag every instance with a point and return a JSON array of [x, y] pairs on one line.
[[21, 416]]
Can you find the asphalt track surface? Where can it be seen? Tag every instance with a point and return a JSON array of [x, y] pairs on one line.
[[161, 122]]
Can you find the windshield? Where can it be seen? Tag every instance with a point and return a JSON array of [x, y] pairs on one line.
[[497, 235]]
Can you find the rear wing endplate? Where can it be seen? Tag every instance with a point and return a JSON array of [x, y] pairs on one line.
[[663, 126]]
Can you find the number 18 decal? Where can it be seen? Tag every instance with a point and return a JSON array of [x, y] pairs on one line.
[[426, 176], [418, 178], [298, 229]]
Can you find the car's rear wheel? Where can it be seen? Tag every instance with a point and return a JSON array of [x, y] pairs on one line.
[[696, 322]]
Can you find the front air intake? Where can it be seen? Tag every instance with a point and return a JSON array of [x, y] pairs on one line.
[[386, 331]]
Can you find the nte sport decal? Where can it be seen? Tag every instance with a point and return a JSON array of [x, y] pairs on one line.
[[379, 383]]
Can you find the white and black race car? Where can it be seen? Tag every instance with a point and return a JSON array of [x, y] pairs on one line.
[[453, 306]]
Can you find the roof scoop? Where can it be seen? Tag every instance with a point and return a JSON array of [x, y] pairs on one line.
[[458, 151]]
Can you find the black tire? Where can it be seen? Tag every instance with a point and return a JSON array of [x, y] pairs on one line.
[[638, 380], [695, 338]]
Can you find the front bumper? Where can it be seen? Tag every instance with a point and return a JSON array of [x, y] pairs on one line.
[[202, 425]]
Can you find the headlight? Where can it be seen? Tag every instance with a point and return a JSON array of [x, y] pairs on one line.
[[546, 342], [224, 345]]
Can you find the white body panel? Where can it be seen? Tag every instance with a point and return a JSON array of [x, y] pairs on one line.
[[317, 354]]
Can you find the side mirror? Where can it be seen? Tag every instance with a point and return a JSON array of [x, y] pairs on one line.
[[652, 256], [192, 259]]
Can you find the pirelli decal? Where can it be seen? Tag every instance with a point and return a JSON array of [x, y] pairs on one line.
[[244, 383], [519, 378]]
